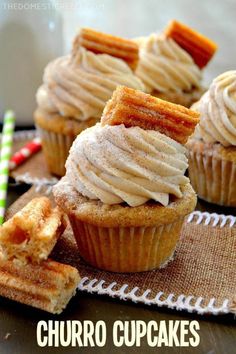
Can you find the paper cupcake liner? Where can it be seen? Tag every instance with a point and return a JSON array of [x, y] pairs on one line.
[[213, 178], [126, 249], [56, 150]]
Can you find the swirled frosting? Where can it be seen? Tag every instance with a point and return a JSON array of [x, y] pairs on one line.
[[164, 66], [217, 109], [79, 86], [116, 164]]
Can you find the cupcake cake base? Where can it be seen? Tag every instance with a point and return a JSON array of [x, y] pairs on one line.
[[120, 238]]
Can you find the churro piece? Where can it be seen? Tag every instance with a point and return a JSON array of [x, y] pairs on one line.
[[31, 234], [198, 46], [135, 108], [102, 43], [48, 286]]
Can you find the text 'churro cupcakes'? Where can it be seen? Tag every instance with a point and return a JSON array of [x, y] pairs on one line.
[[76, 88], [124, 190], [171, 63], [212, 148]]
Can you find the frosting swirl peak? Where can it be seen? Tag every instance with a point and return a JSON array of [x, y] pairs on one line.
[[116, 164], [78, 86], [217, 108], [164, 66]]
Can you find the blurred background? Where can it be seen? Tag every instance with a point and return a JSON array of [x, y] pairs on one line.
[[34, 32], [134, 18]]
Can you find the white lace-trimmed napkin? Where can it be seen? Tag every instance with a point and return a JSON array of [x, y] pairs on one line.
[[34, 170], [201, 278]]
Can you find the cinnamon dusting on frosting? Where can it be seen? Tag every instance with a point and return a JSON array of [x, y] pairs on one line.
[[217, 109]]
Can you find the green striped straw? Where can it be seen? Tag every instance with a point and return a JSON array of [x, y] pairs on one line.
[[5, 155]]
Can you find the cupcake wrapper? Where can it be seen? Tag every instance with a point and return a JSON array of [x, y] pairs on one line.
[[126, 249], [56, 150], [213, 178]]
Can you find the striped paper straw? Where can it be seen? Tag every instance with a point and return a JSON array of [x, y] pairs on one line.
[[24, 153], [5, 154]]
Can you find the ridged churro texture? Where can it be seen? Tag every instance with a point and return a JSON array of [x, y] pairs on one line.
[[198, 46], [99, 43], [48, 286], [135, 108], [31, 234]]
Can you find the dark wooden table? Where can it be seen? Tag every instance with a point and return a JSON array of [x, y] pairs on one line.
[[217, 333]]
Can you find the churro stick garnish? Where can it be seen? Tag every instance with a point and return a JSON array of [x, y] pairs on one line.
[[102, 43], [48, 286], [135, 108], [31, 234], [198, 46]]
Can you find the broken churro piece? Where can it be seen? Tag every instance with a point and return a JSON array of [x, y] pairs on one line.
[[31, 234], [198, 46], [48, 286], [135, 108], [102, 43]]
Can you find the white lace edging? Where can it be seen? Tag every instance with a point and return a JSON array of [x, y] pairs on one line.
[[211, 219], [188, 303], [26, 177], [41, 184], [25, 134]]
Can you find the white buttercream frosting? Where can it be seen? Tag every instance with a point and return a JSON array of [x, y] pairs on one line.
[[217, 109], [116, 164], [164, 66], [79, 86]]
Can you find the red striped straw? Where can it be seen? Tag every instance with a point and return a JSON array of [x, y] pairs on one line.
[[24, 153]]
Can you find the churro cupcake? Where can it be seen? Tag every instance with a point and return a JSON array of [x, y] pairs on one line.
[[212, 149], [171, 64], [76, 87], [124, 191]]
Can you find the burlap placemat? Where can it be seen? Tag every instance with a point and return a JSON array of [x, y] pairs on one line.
[[201, 278]]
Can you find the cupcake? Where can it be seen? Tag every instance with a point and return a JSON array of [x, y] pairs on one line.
[[76, 87], [171, 64], [124, 191], [212, 149]]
